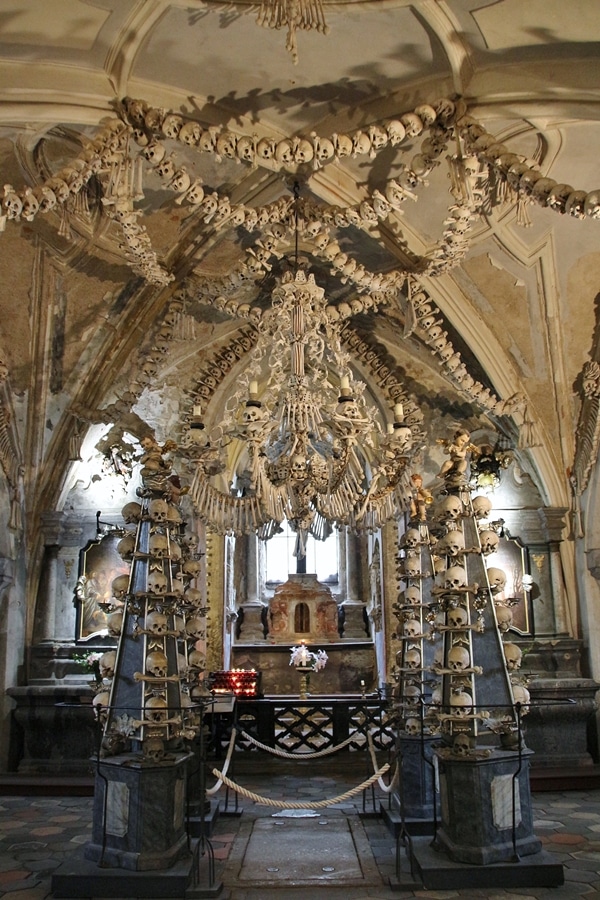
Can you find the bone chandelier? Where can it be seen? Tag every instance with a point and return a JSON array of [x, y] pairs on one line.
[[305, 448]]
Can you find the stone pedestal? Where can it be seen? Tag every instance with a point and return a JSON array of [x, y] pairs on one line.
[[353, 612], [481, 799], [139, 813], [415, 795], [252, 629]]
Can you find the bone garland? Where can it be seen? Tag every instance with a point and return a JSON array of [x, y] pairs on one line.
[[151, 123], [527, 182]]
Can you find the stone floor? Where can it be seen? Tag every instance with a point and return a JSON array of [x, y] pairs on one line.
[[38, 833]]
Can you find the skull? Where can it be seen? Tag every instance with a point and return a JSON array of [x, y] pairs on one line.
[[195, 194], [196, 628], [189, 134], [412, 726], [592, 205], [458, 618], [343, 145], [246, 149], [426, 113], [157, 583], [227, 145], [461, 703], [459, 658], [156, 709], [154, 749], [541, 190], [11, 202], [504, 617], [575, 205], [158, 546], [513, 656], [396, 131], [131, 512], [412, 538], [489, 542], [126, 546], [444, 109], [379, 137], [197, 660], [452, 544], [157, 664], [159, 510], [284, 152], [154, 152], [180, 182], [119, 587], [455, 577], [100, 704], [482, 506], [413, 125], [412, 695], [114, 622], [173, 515], [192, 567], [451, 508], [558, 196], [412, 628], [209, 206], [171, 126], [157, 623], [463, 745], [412, 596], [412, 567], [177, 587], [30, 205], [497, 580], [107, 663], [46, 199], [166, 169], [521, 695], [412, 659], [265, 148], [528, 180], [304, 151]]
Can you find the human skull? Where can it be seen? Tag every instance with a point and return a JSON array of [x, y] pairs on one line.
[[412, 567], [412, 596], [458, 618], [30, 205], [265, 148], [513, 656], [461, 703], [455, 577], [159, 510], [100, 704], [412, 538], [412, 726], [126, 546], [192, 567], [575, 205], [158, 546], [452, 544], [412, 695], [157, 622], [227, 145], [155, 152], [171, 126], [413, 124], [482, 506], [157, 664], [462, 745], [245, 149], [196, 627], [114, 622], [504, 617], [521, 695], [458, 658], [197, 660], [46, 198], [592, 205], [284, 152], [379, 137], [107, 663], [412, 659], [558, 196], [189, 133], [156, 709], [131, 513], [528, 180], [304, 151], [177, 586], [412, 628], [153, 749], [489, 542], [396, 131], [157, 583], [195, 193], [497, 579], [343, 145], [119, 587], [451, 508]]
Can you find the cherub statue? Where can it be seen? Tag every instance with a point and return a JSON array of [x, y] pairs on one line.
[[457, 449], [420, 499]]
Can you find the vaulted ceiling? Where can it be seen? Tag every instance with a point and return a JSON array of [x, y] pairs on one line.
[[126, 300]]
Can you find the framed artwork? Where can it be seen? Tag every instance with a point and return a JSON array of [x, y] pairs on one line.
[[512, 557], [99, 564]]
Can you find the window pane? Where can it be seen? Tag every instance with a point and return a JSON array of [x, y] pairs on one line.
[[321, 556]]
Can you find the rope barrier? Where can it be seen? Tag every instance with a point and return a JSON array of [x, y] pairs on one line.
[[386, 788], [219, 784], [310, 804], [285, 754]]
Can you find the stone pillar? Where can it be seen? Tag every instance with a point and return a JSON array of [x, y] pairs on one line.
[[353, 609], [553, 524], [252, 609]]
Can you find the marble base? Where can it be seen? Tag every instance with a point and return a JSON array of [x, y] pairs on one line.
[[415, 796], [139, 813], [477, 802], [438, 872]]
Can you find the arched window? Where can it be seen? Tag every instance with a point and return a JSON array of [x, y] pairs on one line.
[[321, 557], [302, 619]]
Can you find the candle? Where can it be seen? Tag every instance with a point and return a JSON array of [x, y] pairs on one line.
[[253, 388], [344, 384], [197, 411], [390, 428], [399, 411]]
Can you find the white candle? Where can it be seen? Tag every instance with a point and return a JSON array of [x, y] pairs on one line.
[[253, 387], [390, 428], [197, 411], [344, 383], [399, 411]]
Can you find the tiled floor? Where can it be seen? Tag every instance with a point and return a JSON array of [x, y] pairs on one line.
[[38, 833]]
